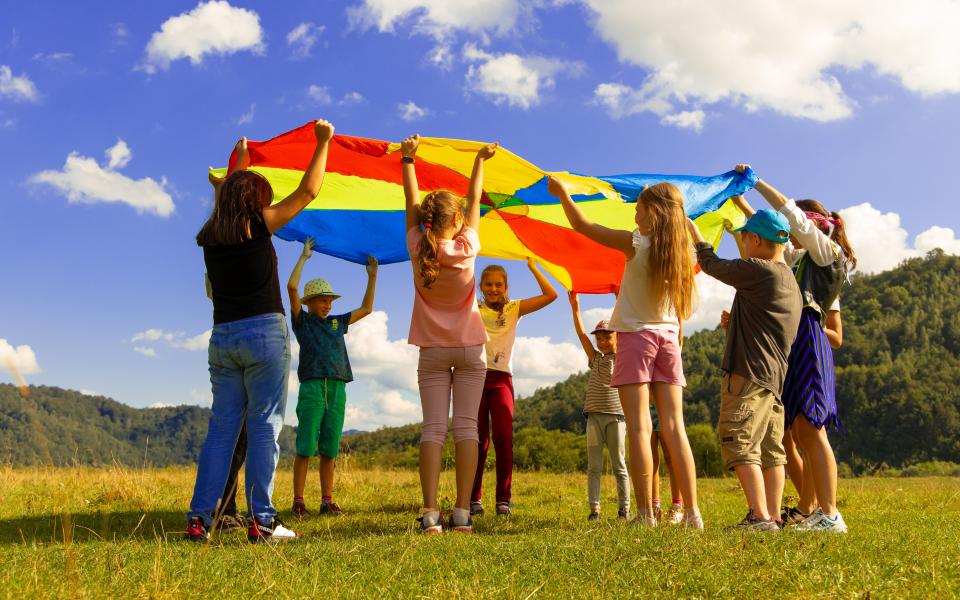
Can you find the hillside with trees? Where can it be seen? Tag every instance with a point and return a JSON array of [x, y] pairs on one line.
[[898, 385]]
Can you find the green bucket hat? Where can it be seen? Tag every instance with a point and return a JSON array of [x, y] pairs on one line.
[[317, 287]]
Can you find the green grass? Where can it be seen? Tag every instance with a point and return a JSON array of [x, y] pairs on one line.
[[118, 533]]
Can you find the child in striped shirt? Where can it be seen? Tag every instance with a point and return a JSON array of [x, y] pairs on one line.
[[605, 422]]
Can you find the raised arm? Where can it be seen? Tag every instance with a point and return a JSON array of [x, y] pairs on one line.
[[293, 284], [617, 239], [367, 306], [475, 191], [411, 191], [741, 203], [281, 213], [736, 273], [578, 326], [547, 293]]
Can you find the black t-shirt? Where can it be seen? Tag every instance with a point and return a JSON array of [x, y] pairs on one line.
[[244, 277]]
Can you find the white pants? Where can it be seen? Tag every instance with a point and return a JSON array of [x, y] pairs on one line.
[[610, 431]]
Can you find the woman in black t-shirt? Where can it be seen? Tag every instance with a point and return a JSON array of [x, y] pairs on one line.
[[249, 354]]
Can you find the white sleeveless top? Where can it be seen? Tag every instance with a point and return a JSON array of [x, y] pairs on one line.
[[635, 310], [501, 334]]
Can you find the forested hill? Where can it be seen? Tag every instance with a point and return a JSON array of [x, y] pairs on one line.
[[898, 383], [60, 427], [898, 373]]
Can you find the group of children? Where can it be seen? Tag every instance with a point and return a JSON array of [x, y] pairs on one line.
[[777, 389]]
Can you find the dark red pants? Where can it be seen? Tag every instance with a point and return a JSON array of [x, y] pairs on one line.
[[496, 409]]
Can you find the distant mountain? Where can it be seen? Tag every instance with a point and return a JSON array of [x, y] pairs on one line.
[[61, 427]]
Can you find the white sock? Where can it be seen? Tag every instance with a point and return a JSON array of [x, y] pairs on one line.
[[461, 516]]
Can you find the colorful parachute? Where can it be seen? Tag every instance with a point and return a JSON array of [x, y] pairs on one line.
[[360, 209]]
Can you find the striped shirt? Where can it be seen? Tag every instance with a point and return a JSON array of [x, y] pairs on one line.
[[601, 398]]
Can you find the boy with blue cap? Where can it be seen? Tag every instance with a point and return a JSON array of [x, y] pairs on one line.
[[763, 324]]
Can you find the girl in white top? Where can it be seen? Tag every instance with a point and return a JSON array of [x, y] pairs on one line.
[[500, 317], [656, 291]]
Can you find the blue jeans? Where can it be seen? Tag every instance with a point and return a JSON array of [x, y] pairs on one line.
[[249, 366]]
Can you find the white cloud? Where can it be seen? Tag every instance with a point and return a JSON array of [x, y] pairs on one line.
[[18, 359], [381, 407], [18, 87], [302, 38], [247, 117], [393, 404], [120, 32], [162, 405], [881, 243], [212, 27], [409, 111], [510, 78], [714, 298], [784, 56], [352, 98], [319, 94], [687, 119], [52, 57], [86, 392], [441, 56], [201, 396], [83, 180], [8, 124], [538, 362], [373, 355], [145, 351], [174, 339], [118, 155], [592, 316], [437, 18]]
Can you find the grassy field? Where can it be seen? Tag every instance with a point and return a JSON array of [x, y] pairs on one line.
[[118, 533]]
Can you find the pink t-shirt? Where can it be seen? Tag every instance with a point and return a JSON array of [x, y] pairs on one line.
[[445, 315]]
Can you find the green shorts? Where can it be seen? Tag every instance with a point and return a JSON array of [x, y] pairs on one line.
[[321, 407]]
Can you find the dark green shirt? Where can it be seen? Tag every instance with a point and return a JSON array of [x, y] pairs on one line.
[[323, 353]]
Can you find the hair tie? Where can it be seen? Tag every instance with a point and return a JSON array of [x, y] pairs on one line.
[[821, 221], [428, 225]]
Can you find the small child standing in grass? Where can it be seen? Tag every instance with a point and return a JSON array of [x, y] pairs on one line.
[[324, 371], [606, 425], [763, 324]]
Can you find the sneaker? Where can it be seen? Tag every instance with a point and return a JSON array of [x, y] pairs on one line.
[[231, 521], [331, 508], [657, 513], [623, 514], [693, 521], [791, 515], [754, 523], [476, 508], [594, 515], [276, 531], [503, 509], [430, 522], [645, 521], [818, 521], [675, 514], [196, 530], [300, 509], [462, 528]]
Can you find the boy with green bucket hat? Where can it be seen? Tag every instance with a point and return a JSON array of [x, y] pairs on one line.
[[324, 371]]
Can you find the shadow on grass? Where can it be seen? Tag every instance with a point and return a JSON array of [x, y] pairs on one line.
[[93, 527]]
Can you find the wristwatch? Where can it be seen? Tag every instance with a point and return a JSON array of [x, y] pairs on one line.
[[406, 159]]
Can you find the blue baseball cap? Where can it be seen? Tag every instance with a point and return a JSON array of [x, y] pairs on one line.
[[768, 224]]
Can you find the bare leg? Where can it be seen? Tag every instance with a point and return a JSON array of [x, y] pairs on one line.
[[467, 452], [752, 482], [300, 466], [430, 472], [655, 479], [674, 486], [808, 495], [773, 489], [635, 400], [669, 399], [820, 459], [794, 461], [327, 466]]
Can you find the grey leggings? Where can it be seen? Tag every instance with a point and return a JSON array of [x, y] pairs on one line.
[[610, 431]]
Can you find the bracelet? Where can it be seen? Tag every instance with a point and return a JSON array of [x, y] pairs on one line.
[[406, 159]]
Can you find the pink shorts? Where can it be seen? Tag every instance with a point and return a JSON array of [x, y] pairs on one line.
[[648, 356]]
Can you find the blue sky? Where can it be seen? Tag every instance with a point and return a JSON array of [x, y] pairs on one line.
[[856, 107]]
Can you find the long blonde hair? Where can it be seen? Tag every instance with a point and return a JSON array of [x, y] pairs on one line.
[[671, 264], [438, 210]]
